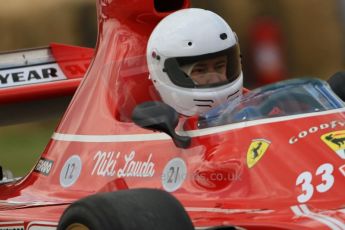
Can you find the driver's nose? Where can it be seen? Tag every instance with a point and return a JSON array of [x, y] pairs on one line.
[[215, 77]]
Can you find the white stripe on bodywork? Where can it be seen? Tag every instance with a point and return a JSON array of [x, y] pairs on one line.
[[299, 213], [342, 169], [226, 211], [296, 210], [337, 222], [110, 138], [304, 211], [42, 225], [224, 128], [192, 133], [11, 222]]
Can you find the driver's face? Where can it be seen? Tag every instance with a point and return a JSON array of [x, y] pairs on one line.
[[209, 71]]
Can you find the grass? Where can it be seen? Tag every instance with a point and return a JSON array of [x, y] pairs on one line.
[[22, 145]]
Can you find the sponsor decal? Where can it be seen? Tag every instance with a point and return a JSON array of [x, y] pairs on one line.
[[336, 141], [30, 75], [106, 165], [307, 188], [44, 166], [315, 129], [256, 150], [174, 174], [70, 171], [77, 70]]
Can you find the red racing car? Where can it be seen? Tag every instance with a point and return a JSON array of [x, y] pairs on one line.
[[120, 159]]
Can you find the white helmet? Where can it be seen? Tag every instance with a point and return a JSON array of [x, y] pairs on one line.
[[194, 61]]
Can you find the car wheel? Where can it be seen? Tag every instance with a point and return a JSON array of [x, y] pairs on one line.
[[144, 209]]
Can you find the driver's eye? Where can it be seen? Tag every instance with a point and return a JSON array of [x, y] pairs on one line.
[[199, 70], [220, 65]]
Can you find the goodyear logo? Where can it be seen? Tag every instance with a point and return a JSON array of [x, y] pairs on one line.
[[336, 141], [30, 75], [256, 150]]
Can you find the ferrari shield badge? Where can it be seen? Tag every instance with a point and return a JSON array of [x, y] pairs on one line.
[[336, 141], [256, 150]]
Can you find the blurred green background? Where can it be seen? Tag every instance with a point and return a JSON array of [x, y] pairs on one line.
[[37, 23], [21, 145], [312, 44]]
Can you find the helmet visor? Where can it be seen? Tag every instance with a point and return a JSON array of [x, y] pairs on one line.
[[205, 71]]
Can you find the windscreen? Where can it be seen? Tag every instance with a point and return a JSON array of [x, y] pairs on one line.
[[291, 97]]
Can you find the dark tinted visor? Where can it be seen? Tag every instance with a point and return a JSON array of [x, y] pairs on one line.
[[205, 71]]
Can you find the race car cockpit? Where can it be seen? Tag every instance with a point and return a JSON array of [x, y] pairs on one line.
[[291, 97]]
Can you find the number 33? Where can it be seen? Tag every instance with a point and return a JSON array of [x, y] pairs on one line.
[[305, 178]]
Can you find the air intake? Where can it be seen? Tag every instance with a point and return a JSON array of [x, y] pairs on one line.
[[169, 5]]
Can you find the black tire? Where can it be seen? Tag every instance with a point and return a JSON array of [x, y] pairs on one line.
[[144, 209]]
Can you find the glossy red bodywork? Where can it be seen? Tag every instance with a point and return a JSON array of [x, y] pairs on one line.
[[96, 148]]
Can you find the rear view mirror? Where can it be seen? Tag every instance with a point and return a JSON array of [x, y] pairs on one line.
[[158, 116]]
